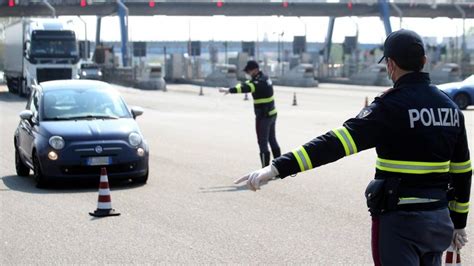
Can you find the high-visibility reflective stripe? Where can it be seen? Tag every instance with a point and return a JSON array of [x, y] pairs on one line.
[[411, 167], [239, 88], [263, 100], [459, 207], [413, 200], [251, 85], [303, 159], [272, 112], [346, 139], [458, 168]]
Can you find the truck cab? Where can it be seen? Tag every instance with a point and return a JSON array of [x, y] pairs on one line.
[[45, 50]]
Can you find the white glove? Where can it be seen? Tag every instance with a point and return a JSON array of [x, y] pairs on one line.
[[224, 90], [459, 238], [258, 177]]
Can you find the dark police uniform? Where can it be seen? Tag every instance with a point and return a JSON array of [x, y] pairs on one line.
[[421, 143], [265, 113]]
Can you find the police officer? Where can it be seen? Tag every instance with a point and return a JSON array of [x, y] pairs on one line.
[[423, 171], [264, 106]]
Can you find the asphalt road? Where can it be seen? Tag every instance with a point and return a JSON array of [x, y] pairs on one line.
[[190, 212]]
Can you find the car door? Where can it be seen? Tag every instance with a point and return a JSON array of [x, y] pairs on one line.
[[26, 136]]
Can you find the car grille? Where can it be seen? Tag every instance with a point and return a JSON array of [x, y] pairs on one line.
[[95, 170], [47, 74]]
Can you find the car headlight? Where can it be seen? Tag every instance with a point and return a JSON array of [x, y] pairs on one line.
[[56, 142], [99, 73], [84, 73], [134, 139]]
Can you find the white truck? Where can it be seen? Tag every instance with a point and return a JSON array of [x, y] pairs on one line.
[[38, 50]]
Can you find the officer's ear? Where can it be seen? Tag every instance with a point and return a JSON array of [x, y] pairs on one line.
[[389, 63], [393, 65]]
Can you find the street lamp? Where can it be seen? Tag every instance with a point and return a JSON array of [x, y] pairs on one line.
[[86, 48], [279, 47]]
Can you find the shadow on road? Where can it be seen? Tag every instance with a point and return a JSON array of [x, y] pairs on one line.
[[223, 189], [5, 96], [234, 188], [27, 185]]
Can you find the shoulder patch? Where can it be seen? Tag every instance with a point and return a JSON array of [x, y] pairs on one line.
[[364, 112]]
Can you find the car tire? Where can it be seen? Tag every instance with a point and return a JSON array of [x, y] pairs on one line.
[[141, 179], [38, 174], [462, 100], [21, 168]]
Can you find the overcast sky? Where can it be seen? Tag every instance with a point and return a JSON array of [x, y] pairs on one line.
[[165, 28]]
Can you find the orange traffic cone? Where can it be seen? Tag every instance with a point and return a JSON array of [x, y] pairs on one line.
[[294, 99], [366, 103], [453, 257], [104, 205]]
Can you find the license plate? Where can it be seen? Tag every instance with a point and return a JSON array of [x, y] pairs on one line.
[[99, 161]]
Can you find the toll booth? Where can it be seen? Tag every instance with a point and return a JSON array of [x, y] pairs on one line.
[[104, 56], [151, 78], [177, 68], [374, 75], [303, 75], [222, 76], [240, 61]]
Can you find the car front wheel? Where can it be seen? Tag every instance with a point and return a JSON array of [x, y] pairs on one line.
[[462, 100], [38, 174], [21, 168]]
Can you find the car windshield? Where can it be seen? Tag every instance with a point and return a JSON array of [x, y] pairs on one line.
[[54, 48], [89, 66], [83, 104]]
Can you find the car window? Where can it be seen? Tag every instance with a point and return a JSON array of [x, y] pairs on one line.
[[87, 103]]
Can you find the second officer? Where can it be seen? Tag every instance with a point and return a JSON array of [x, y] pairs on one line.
[[264, 106]]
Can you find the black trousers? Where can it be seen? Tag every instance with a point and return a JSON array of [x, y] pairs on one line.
[[266, 134], [411, 238]]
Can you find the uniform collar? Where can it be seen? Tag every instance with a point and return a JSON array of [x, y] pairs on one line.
[[413, 77]]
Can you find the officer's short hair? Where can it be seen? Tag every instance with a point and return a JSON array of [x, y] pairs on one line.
[[406, 48]]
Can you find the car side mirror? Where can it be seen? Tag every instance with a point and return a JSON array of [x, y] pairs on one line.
[[26, 115], [137, 111]]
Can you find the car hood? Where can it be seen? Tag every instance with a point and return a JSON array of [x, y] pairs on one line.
[[103, 129]]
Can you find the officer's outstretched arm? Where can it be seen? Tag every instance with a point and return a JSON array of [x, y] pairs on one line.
[[357, 134], [244, 87]]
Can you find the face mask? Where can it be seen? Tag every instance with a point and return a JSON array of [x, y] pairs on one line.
[[389, 74]]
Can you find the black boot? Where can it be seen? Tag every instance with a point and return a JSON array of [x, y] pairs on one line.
[[265, 158], [276, 153]]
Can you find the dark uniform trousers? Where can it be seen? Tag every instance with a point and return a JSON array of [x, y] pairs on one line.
[[265, 114], [411, 237], [265, 128], [423, 168]]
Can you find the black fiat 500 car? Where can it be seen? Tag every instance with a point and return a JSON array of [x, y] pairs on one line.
[[72, 128]]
